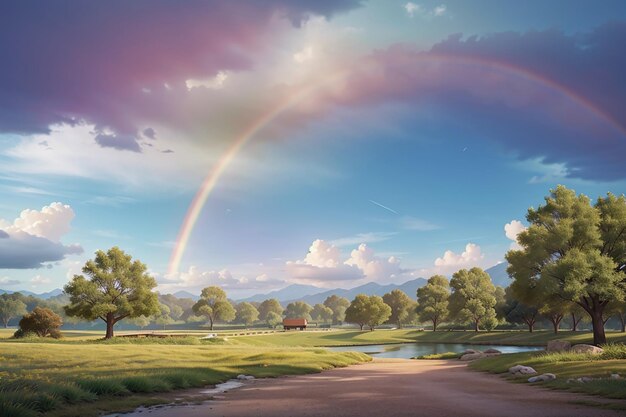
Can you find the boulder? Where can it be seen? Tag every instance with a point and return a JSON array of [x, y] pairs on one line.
[[471, 351], [591, 349], [521, 370], [558, 346], [584, 379], [616, 376], [496, 351], [244, 377], [471, 356], [542, 378]]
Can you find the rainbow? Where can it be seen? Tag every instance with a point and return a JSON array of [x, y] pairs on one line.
[[214, 175]]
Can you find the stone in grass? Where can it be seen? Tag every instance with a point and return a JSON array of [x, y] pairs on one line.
[[244, 377], [542, 378], [521, 370], [591, 349], [558, 346], [471, 351], [616, 376], [493, 351], [471, 356]]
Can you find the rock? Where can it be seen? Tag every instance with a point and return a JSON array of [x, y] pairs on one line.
[[584, 379], [615, 376], [521, 370], [558, 346], [244, 377], [493, 351], [249, 377], [471, 351], [542, 378], [471, 356], [591, 349]]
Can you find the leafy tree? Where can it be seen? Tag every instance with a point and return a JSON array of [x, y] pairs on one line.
[[370, 311], [515, 311], [164, 317], [500, 295], [338, 305], [117, 288], [432, 300], [321, 313], [273, 319], [41, 321], [575, 251], [214, 305], [247, 313], [400, 305], [473, 297], [298, 309], [576, 315], [141, 321], [10, 307], [554, 309], [268, 306]]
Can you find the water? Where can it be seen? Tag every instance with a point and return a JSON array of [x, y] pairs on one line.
[[410, 350]]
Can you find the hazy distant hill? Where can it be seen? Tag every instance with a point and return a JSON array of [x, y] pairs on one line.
[[186, 294], [498, 275], [294, 291], [44, 295]]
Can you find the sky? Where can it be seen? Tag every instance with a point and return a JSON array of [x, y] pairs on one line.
[[254, 145]]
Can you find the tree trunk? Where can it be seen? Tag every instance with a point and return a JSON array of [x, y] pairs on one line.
[[476, 325], [575, 322], [6, 323], [599, 338], [556, 321], [530, 327], [110, 322], [434, 325], [622, 320], [211, 321]]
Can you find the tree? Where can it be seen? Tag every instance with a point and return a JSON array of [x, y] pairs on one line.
[[10, 307], [473, 297], [338, 305], [247, 313], [141, 321], [400, 305], [41, 321], [214, 305], [267, 307], [176, 312], [432, 300], [554, 309], [500, 295], [577, 314], [298, 309], [515, 311], [321, 313], [575, 251], [273, 319], [163, 318], [370, 311], [117, 288]]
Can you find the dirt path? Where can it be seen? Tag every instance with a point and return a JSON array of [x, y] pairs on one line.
[[389, 388]]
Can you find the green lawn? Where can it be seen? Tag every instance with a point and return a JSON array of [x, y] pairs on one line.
[[566, 366], [60, 378]]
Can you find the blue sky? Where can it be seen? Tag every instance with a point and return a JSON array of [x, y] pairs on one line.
[[455, 116]]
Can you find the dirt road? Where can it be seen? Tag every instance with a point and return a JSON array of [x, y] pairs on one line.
[[389, 388]]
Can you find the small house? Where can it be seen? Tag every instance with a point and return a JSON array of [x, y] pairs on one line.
[[289, 324]]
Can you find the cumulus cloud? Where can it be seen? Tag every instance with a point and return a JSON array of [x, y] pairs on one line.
[[450, 261], [511, 230], [322, 254], [412, 8], [39, 280], [195, 279], [33, 239], [6, 281], [119, 142], [374, 268]]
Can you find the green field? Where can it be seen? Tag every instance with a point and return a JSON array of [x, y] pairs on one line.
[[565, 366], [85, 378]]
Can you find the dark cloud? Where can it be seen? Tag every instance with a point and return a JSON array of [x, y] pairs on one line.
[[24, 251], [64, 61], [149, 133], [119, 142]]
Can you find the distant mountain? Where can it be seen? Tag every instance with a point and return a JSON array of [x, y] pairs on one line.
[[498, 275], [186, 294], [371, 288], [44, 295], [294, 291]]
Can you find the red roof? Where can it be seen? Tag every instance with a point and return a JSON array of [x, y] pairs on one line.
[[294, 322]]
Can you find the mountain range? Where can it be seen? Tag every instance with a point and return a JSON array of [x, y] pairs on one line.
[[314, 295]]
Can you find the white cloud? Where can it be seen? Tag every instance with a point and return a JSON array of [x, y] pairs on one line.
[[450, 261], [51, 222], [304, 55], [511, 230], [39, 280], [412, 223], [439, 10], [194, 280], [214, 83], [5, 281], [374, 268], [412, 8], [323, 255], [368, 237]]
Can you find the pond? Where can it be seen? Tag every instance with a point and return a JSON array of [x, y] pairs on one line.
[[409, 350]]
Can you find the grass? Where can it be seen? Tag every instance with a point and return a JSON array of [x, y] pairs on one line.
[[446, 355], [568, 365], [54, 379]]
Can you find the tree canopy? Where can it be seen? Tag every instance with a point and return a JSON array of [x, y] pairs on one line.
[[401, 306], [473, 297], [321, 313], [575, 251], [367, 310], [214, 305], [268, 306], [298, 309], [10, 308], [247, 313], [432, 300], [117, 288], [338, 305]]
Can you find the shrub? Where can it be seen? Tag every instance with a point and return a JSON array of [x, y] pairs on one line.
[[41, 321]]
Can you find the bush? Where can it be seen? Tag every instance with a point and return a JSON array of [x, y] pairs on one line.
[[41, 321]]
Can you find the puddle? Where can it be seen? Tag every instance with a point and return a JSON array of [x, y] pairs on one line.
[[223, 387]]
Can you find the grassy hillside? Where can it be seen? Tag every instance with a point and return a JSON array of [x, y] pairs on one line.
[[85, 378]]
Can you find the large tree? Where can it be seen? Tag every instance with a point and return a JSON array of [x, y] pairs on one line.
[[214, 305], [575, 251], [367, 310], [268, 306], [432, 300], [473, 297], [338, 305], [247, 313], [298, 310], [401, 306], [514, 310], [321, 313], [10, 307], [117, 288]]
